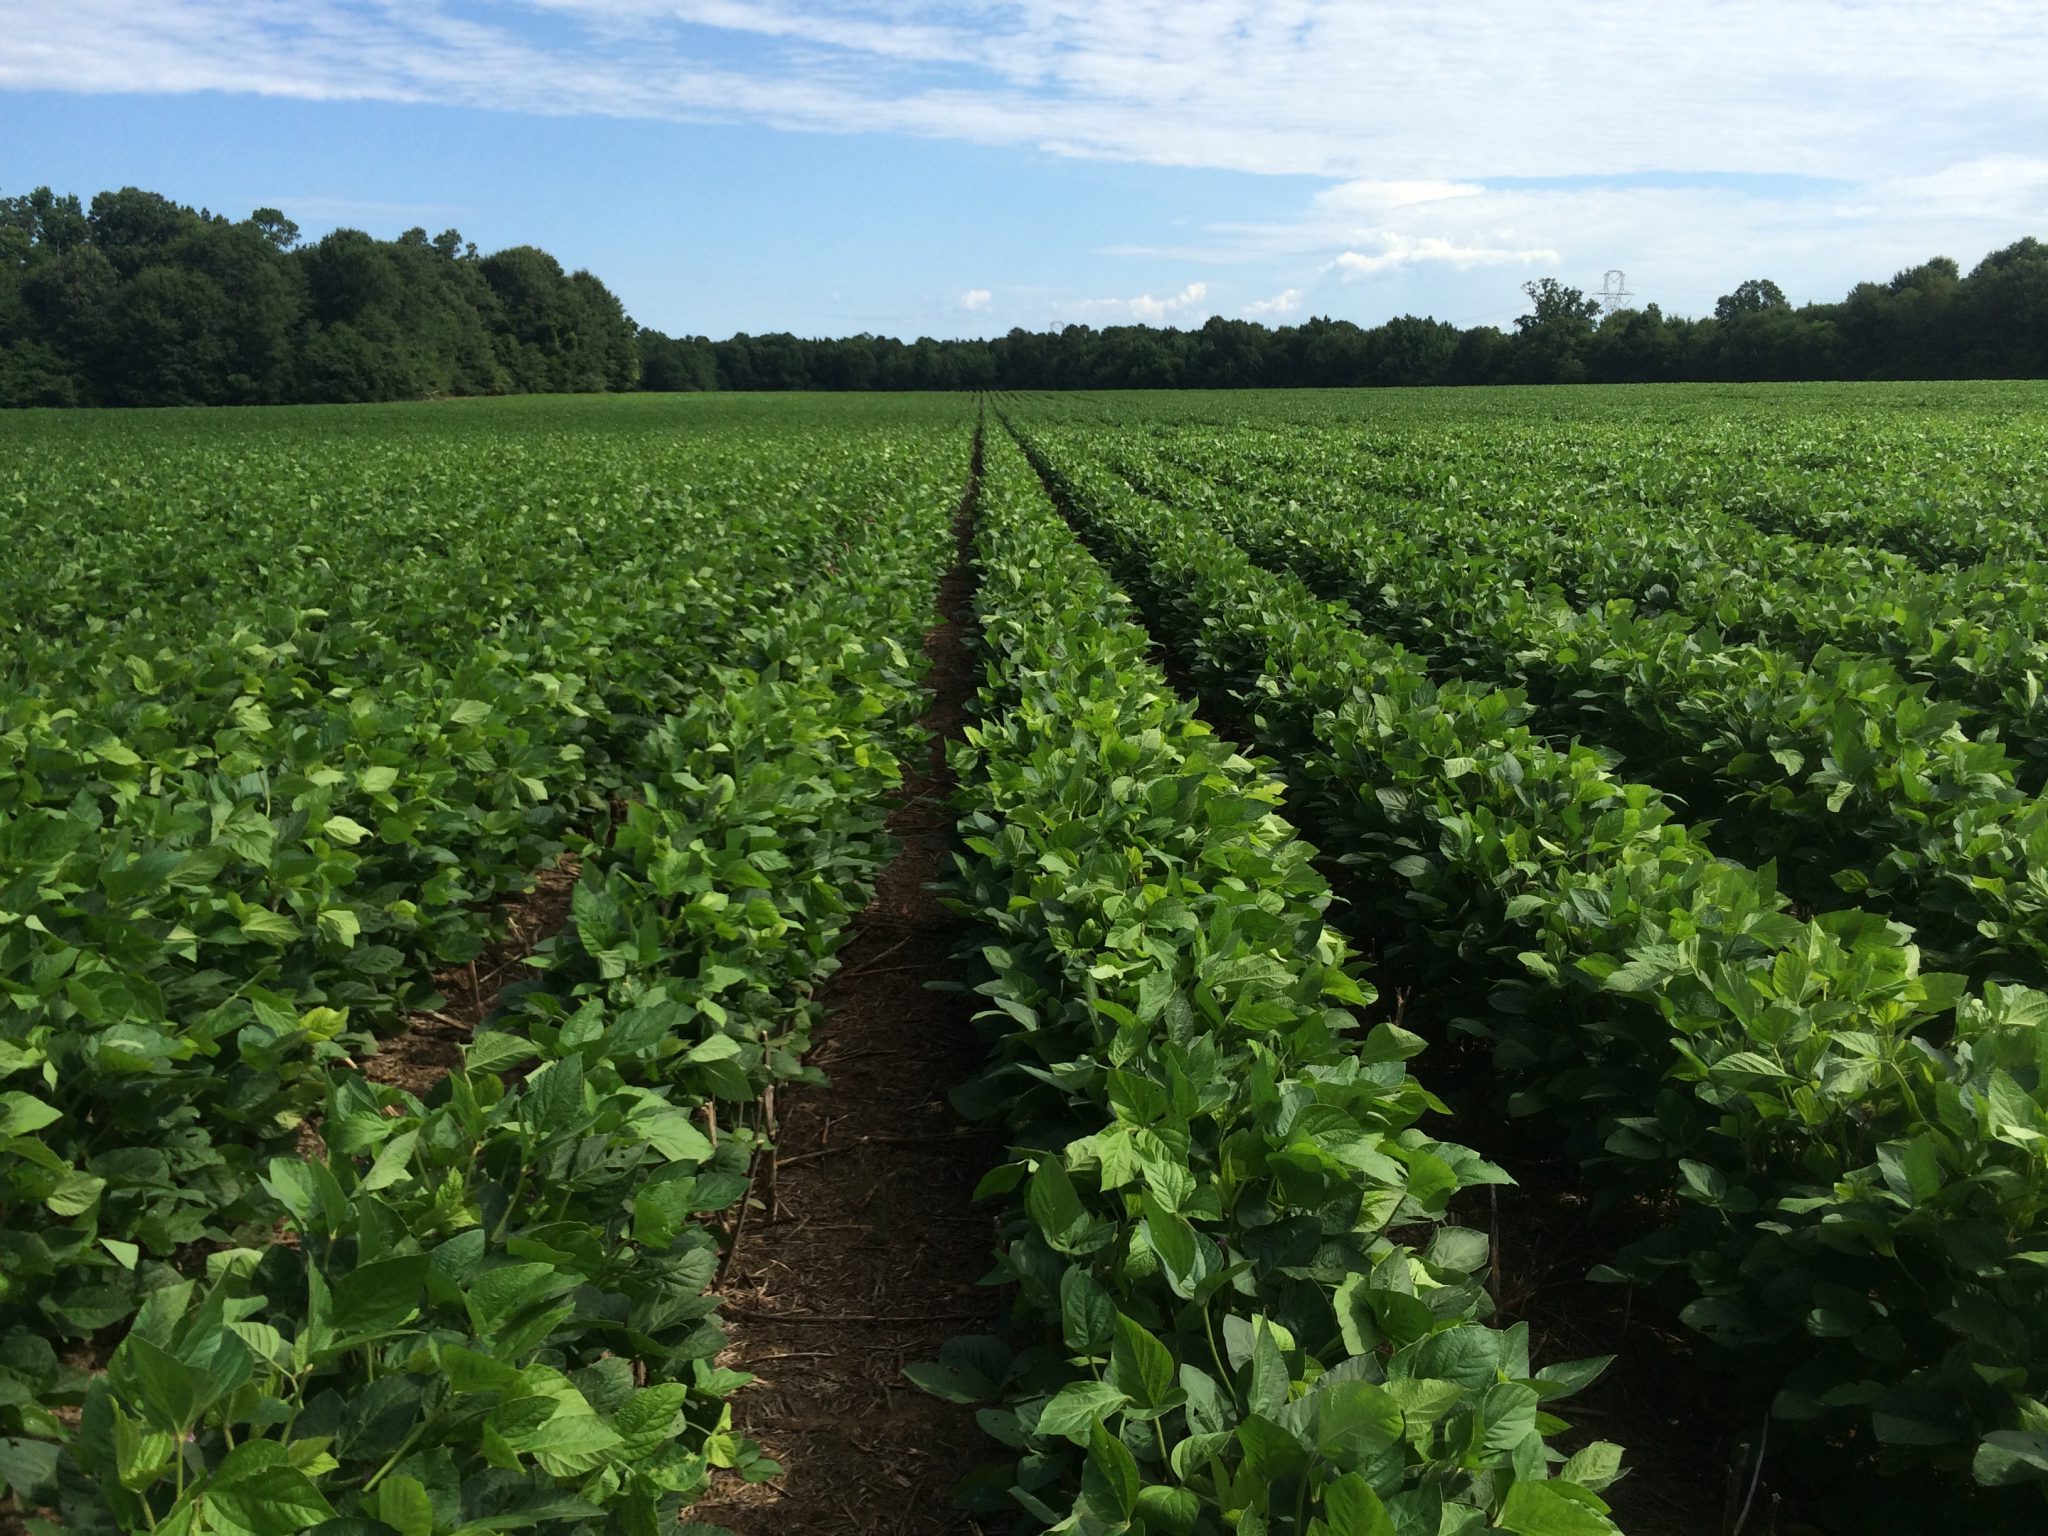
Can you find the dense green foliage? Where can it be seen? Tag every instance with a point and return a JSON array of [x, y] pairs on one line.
[[136, 300], [1850, 776], [139, 301], [1211, 1158], [1852, 1141], [1680, 755], [236, 852]]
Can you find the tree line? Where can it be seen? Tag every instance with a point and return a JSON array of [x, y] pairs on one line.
[[1928, 322], [137, 300]]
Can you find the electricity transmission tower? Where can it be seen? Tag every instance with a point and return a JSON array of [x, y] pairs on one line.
[[1613, 292]]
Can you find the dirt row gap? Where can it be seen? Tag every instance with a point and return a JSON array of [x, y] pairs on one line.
[[873, 1257]]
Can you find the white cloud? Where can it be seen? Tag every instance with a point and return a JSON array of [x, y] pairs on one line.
[[1478, 140], [1683, 241], [1144, 309], [1278, 307], [2015, 181], [1366, 196], [1399, 250], [975, 298], [1418, 93]]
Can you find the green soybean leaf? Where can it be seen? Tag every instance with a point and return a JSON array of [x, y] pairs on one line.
[[169, 1392], [1351, 1508], [971, 1368], [1168, 1511], [2008, 1457], [1174, 1241], [1142, 1368], [1594, 1466], [1087, 1313], [256, 1490], [402, 1503], [1553, 1509], [21, 1114], [378, 1297], [1355, 1422], [1109, 1477], [1076, 1408], [553, 1098], [1270, 1381], [1056, 1209], [28, 1468], [391, 1162]]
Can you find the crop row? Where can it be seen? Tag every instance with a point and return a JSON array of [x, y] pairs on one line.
[[1210, 1160], [1852, 779], [213, 867], [1934, 479], [1930, 482], [231, 844], [1976, 635], [1854, 1147], [489, 1306]]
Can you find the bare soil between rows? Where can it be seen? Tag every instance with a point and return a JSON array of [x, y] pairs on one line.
[[875, 1255], [430, 1047]]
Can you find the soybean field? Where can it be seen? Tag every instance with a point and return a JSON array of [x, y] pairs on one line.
[[1334, 963]]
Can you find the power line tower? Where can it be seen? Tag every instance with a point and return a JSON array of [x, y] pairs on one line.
[[1613, 294]]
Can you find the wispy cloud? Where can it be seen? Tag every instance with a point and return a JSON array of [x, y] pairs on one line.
[[1145, 309], [1683, 241], [1369, 197], [1817, 142], [1998, 180], [1398, 250], [1281, 306], [1326, 87]]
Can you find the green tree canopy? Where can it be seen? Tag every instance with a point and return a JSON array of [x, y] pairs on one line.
[[141, 301]]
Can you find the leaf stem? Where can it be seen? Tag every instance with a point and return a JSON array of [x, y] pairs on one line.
[[398, 1455]]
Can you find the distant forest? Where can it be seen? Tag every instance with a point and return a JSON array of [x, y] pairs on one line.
[[137, 300]]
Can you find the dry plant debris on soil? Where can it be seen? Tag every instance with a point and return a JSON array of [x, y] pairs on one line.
[[872, 1261]]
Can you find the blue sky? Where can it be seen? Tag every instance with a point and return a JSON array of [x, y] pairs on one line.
[[905, 167]]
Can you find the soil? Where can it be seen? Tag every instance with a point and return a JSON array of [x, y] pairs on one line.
[[1677, 1424], [430, 1045], [873, 1257]]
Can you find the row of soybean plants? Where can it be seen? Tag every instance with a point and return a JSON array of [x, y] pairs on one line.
[[487, 1307], [1852, 1148], [1948, 476], [1937, 491], [1976, 634], [240, 829], [1855, 780], [1217, 1174]]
